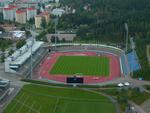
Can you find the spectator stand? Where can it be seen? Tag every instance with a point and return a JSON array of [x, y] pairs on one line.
[[133, 61]]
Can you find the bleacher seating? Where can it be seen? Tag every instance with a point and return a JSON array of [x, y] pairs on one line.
[[37, 57], [133, 61]]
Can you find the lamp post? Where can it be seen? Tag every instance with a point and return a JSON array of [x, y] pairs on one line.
[[127, 33], [56, 22], [31, 74], [31, 62]]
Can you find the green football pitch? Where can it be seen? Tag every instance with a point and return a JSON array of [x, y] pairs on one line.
[[43, 99], [84, 65]]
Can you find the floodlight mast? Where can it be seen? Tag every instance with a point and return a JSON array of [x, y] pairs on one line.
[[127, 34], [31, 74], [56, 22], [31, 62]]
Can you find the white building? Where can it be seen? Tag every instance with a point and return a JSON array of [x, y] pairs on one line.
[[18, 35], [31, 13], [58, 12], [9, 12]]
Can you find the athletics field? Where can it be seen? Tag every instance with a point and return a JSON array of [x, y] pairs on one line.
[[82, 65]]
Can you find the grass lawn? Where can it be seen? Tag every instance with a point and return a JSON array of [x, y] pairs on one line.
[[86, 65], [131, 94], [43, 99]]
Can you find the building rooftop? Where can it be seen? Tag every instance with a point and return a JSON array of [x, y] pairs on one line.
[[20, 11], [42, 14], [12, 6], [18, 34], [7, 8], [30, 9]]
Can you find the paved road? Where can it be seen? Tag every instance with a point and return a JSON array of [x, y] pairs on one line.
[[8, 98], [137, 108], [14, 83], [134, 82]]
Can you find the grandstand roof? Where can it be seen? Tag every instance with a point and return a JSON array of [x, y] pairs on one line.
[[22, 54], [22, 58], [20, 11]]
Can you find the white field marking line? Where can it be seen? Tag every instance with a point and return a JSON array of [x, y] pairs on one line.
[[22, 104], [31, 107], [16, 103], [67, 98], [52, 110], [39, 109], [26, 106], [65, 108], [55, 108]]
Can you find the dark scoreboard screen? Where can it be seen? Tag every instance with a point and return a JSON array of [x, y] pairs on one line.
[[75, 80]]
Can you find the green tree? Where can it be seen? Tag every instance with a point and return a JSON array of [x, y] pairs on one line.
[[1, 18], [20, 43], [43, 23], [23, 28], [31, 21], [2, 58], [28, 33], [11, 52], [2, 29], [42, 36]]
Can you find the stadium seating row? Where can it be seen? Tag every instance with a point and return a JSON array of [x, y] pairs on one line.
[[133, 61]]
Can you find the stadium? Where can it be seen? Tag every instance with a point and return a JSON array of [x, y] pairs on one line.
[[82, 63], [71, 62]]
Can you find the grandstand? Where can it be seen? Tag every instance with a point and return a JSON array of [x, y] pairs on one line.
[[18, 62], [118, 60], [133, 61], [125, 67]]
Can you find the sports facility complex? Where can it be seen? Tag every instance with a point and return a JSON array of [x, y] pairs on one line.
[[68, 64], [71, 62], [86, 63]]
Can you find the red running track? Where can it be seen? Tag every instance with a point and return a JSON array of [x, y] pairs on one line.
[[47, 64]]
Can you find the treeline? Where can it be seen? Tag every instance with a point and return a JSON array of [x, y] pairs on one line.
[[104, 19], [141, 52], [4, 44]]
